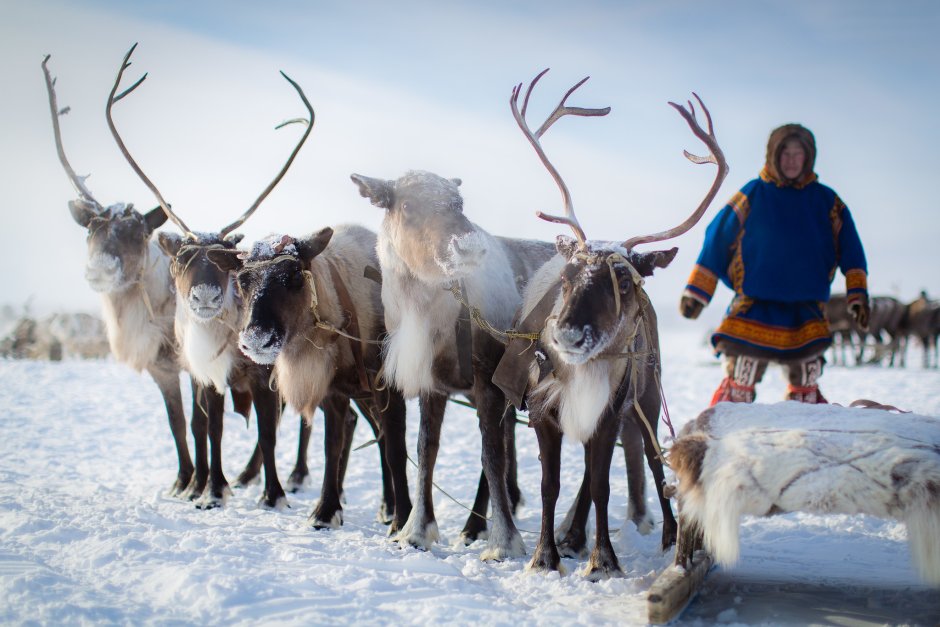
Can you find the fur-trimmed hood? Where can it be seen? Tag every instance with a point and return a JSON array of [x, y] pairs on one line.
[[771, 171]]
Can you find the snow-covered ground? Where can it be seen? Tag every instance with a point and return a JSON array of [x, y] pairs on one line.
[[87, 534]]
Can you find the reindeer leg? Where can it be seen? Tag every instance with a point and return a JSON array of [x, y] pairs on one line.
[[217, 490], [603, 561], [420, 529], [167, 379], [504, 539], [650, 403], [241, 402], [475, 527], [328, 512], [571, 534], [200, 428], [631, 437], [386, 511], [512, 483], [300, 473], [396, 458], [267, 406], [546, 556]]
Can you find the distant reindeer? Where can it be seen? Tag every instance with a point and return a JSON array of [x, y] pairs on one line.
[[312, 314], [206, 311], [887, 328], [924, 324], [133, 277], [427, 249], [597, 361]]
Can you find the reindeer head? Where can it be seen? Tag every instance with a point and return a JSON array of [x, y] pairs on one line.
[[118, 235], [277, 290], [601, 283], [202, 283], [425, 224], [601, 294]]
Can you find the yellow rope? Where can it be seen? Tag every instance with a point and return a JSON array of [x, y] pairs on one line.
[[477, 316]]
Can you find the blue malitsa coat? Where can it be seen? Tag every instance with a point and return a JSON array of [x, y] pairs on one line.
[[778, 245]]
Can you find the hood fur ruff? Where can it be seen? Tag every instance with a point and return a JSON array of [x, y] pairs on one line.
[[771, 171], [739, 459]]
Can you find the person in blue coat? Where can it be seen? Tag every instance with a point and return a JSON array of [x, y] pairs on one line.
[[777, 244]]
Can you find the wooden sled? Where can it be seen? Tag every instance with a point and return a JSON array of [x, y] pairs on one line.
[[676, 586]]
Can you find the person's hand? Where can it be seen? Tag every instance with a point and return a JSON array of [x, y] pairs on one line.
[[690, 308], [860, 311]]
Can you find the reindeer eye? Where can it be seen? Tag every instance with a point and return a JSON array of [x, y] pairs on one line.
[[403, 206]]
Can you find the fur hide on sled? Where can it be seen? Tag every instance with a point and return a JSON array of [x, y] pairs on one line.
[[738, 459]]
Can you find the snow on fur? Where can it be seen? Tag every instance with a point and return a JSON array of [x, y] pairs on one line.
[[738, 459]]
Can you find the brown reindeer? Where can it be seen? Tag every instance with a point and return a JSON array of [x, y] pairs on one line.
[[132, 275], [596, 364], [206, 310], [312, 314], [428, 248]]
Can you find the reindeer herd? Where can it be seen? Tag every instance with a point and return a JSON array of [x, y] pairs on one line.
[[892, 326], [430, 307]]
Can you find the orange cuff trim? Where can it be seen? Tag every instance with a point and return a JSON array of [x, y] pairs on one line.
[[703, 279], [856, 279]]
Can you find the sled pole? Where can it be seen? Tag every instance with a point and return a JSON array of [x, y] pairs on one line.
[[675, 587]]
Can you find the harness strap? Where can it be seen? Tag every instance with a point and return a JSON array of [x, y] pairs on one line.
[[512, 372]]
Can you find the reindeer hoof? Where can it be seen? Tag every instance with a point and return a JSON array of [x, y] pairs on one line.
[[297, 481], [335, 522]]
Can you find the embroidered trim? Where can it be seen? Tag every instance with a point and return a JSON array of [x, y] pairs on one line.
[[835, 218], [736, 267], [856, 279], [778, 338], [703, 281], [741, 205]]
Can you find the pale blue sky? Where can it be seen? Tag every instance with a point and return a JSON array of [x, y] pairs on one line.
[[425, 85]]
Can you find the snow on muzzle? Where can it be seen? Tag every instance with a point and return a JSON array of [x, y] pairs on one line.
[[205, 301], [261, 346], [575, 344], [464, 253], [104, 272]]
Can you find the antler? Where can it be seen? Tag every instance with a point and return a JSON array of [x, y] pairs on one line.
[[112, 98], [77, 181], [560, 111], [716, 156], [234, 225]]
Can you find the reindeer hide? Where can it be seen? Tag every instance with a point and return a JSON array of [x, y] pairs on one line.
[[738, 459]]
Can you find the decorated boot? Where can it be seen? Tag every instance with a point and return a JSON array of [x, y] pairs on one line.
[[805, 394], [732, 392]]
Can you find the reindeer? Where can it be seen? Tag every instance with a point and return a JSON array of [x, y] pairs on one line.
[[596, 365], [428, 251], [132, 275], [205, 314], [923, 316], [312, 314]]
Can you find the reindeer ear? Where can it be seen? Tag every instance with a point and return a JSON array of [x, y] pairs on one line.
[[234, 238], [645, 263], [379, 192], [226, 259], [456, 182], [313, 245], [170, 243], [566, 246], [154, 219], [82, 212]]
